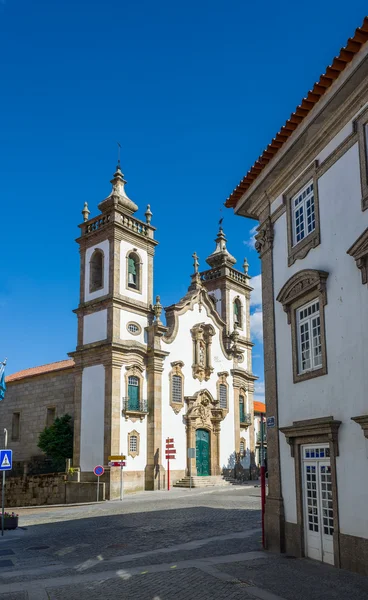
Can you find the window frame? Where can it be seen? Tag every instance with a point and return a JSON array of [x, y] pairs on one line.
[[96, 288], [222, 380], [176, 371], [138, 266], [361, 126], [301, 289], [302, 322], [133, 453], [300, 249], [238, 303]]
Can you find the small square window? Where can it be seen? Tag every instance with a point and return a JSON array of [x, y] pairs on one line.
[[15, 427], [50, 416]]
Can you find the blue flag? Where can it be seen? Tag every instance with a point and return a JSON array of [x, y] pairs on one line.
[[2, 383]]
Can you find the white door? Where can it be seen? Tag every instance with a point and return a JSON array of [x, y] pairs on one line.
[[318, 506]]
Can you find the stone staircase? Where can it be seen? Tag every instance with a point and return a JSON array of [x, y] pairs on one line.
[[201, 482]]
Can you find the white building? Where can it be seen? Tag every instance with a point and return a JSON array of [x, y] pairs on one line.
[[138, 381], [309, 191]]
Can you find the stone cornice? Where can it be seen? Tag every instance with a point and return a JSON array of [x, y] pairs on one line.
[[363, 422], [359, 251], [301, 284], [327, 427], [264, 237]]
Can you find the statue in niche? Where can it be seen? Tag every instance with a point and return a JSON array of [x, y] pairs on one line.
[[202, 355]]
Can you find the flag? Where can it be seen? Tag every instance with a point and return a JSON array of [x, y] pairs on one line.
[[2, 382]]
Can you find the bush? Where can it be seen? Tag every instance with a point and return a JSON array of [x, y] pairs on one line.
[[56, 441]]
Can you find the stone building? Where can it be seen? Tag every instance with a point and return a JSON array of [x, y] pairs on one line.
[[309, 191], [134, 381]]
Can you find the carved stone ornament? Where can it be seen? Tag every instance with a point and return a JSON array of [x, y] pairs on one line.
[[363, 422], [176, 403], [203, 410], [300, 285], [202, 340], [264, 237], [359, 251]]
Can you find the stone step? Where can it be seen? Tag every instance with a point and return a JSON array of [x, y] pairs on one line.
[[197, 481]]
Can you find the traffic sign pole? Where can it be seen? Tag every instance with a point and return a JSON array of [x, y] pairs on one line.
[[121, 482], [3, 490]]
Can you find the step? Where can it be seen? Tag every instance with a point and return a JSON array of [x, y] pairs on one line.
[[197, 481]]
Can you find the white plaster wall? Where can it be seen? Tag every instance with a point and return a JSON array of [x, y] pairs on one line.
[[181, 349], [342, 392], [232, 295], [105, 247], [92, 417], [125, 318], [139, 462], [125, 248], [95, 327]]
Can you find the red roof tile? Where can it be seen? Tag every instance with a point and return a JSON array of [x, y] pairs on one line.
[[339, 63], [56, 366], [259, 407]]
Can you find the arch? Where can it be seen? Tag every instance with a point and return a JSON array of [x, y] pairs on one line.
[[133, 271], [238, 313], [96, 270]]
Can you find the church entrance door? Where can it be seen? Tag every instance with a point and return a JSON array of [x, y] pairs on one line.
[[203, 452]]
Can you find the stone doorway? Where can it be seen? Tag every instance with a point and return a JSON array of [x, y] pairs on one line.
[[203, 452]]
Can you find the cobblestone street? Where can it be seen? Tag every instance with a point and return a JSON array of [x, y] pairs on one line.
[[179, 545]]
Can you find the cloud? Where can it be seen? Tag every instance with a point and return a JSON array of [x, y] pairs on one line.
[[256, 295], [252, 240], [256, 325], [259, 391]]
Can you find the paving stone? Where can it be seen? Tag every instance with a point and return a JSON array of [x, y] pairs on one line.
[[6, 563]]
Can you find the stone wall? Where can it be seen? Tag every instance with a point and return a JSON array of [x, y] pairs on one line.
[[31, 396], [52, 488]]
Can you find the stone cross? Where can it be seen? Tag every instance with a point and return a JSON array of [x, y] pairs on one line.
[[196, 262]]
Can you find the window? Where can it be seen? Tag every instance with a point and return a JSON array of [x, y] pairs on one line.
[[133, 443], [362, 130], [242, 409], [304, 299], [133, 393], [176, 388], [134, 328], [15, 427], [133, 271], [242, 448], [309, 337], [223, 395], [96, 271], [303, 214], [50, 416], [237, 313]]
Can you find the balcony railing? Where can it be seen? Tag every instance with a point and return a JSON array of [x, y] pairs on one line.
[[137, 407], [259, 438], [245, 419]]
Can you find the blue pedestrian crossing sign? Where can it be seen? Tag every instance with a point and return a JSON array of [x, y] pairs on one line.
[[6, 459]]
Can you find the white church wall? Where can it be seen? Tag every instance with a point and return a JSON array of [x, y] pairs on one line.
[[92, 417], [342, 392], [182, 349], [105, 247], [138, 463], [95, 327], [142, 295], [127, 317]]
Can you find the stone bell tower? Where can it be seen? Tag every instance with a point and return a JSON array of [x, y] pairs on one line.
[[115, 307]]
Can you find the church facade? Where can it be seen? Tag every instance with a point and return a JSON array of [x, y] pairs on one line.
[[138, 381]]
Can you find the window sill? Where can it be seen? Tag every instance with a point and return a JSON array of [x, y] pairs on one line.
[[301, 249], [310, 374]]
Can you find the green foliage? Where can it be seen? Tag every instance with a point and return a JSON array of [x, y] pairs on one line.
[[56, 441]]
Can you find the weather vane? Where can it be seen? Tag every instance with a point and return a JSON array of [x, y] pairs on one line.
[[119, 148]]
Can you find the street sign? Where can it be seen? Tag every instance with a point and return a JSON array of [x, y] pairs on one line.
[[117, 457], [169, 440], [270, 422], [170, 457], [99, 470], [191, 452], [6, 459], [117, 463]]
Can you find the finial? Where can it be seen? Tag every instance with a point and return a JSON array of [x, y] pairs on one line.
[[85, 212], [245, 266], [196, 262], [148, 214], [157, 309], [119, 148], [220, 223]]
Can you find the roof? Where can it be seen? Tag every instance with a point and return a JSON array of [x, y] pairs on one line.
[[259, 407], [51, 367], [333, 71]]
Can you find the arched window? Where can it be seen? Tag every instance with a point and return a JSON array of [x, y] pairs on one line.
[[133, 393], [133, 271], [242, 408], [237, 313], [96, 271]]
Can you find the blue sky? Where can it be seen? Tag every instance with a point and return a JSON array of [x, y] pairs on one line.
[[194, 91]]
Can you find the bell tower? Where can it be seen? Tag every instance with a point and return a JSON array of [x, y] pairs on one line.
[[115, 306]]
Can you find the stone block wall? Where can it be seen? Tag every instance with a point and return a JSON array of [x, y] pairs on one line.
[[31, 396]]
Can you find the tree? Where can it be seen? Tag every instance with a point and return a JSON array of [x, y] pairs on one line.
[[56, 441]]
